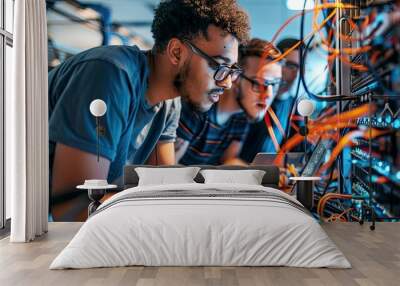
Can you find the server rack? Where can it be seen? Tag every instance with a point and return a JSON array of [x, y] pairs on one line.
[[375, 162]]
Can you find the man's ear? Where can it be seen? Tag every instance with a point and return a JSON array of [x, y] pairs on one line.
[[176, 52]]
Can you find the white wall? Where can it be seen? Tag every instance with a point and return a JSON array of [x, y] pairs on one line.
[[267, 16]]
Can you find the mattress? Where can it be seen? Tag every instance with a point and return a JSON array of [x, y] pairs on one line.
[[201, 225]]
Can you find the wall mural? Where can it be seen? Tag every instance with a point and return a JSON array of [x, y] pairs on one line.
[[324, 104]]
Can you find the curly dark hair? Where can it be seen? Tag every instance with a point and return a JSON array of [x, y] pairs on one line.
[[258, 48], [190, 18]]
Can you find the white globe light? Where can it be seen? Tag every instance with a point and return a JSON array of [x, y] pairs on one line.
[[98, 107], [306, 107]]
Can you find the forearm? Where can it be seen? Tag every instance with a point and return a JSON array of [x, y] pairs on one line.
[[163, 154], [71, 167]]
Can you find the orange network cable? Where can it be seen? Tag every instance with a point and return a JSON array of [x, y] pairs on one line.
[[283, 55], [334, 122], [348, 140], [367, 21], [317, 28], [316, 8], [295, 117], [341, 36], [335, 217], [306, 37], [294, 126], [343, 52], [352, 114], [348, 51], [324, 126], [322, 202], [374, 56], [381, 180], [333, 52], [270, 114], [271, 132]]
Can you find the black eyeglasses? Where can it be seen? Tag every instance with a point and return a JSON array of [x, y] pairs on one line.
[[261, 85], [222, 71]]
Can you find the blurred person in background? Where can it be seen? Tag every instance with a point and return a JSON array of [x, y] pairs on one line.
[[259, 138]]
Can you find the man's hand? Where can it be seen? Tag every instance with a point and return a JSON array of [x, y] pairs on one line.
[[235, 161]]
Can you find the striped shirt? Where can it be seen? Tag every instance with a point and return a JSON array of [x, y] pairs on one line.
[[207, 139]]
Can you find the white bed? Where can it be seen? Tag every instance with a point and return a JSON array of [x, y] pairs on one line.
[[201, 224]]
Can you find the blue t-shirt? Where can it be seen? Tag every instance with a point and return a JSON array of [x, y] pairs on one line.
[[118, 75]]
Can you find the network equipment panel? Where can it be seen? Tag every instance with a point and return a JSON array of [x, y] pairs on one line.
[[375, 79]]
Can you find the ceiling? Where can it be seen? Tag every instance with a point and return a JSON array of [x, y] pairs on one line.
[[266, 16]]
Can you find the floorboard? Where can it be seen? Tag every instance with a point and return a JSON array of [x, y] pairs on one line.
[[374, 255]]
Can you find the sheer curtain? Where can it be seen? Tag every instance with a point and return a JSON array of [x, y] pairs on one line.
[[27, 124]]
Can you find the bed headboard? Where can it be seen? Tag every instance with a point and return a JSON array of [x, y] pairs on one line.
[[270, 179]]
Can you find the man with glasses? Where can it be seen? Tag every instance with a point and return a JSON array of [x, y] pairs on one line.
[[194, 59], [216, 137], [269, 134]]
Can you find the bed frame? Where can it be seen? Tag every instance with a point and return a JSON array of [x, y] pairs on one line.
[[131, 179], [270, 179]]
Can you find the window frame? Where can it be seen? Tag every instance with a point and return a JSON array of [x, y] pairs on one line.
[[6, 39]]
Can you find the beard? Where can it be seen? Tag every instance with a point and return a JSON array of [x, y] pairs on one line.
[[179, 83]]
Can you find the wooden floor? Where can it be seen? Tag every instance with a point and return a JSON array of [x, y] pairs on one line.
[[375, 256]]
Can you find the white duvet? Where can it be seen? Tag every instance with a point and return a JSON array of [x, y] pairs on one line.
[[188, 231]]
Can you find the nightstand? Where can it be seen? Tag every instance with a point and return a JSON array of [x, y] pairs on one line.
[[96, 190], [304, 190]]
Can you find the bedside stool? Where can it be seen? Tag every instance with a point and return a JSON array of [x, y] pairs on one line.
[[304, 190], [95, 193]]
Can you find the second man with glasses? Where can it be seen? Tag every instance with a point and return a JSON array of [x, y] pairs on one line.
[[216, 137], [269, 139]]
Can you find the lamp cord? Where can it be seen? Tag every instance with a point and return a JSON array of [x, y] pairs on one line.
[[305, 138], [97, 135]]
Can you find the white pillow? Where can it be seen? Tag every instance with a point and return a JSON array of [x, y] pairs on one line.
[[249, 177], [163, 176]]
